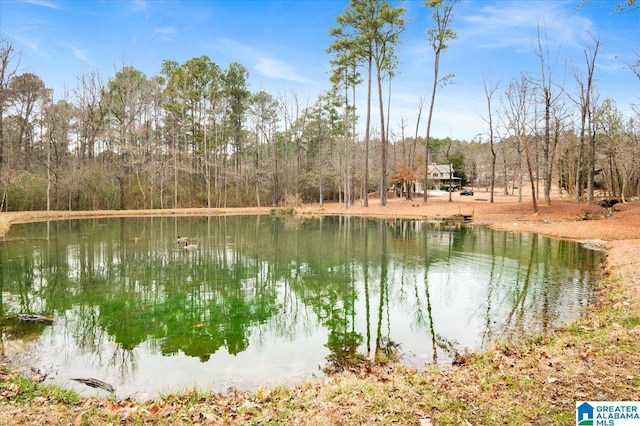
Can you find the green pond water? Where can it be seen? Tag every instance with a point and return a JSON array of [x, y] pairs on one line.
[[267, 300]]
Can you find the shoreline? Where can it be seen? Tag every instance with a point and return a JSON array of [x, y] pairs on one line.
[[505, 214]]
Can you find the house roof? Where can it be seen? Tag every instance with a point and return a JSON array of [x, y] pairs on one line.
[[442, 168]]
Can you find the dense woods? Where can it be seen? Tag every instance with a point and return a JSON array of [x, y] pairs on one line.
[[198, 135]]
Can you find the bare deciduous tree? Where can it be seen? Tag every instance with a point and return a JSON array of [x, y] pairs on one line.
[[586, 104], [518, 102], [489, 90]]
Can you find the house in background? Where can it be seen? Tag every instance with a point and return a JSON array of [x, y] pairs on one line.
[[441, 176]]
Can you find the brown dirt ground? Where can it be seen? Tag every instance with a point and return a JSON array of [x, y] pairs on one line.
[[562, 219], [548, 370]]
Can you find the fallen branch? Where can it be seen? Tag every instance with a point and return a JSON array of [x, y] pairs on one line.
[[42, 319], [95, 383]]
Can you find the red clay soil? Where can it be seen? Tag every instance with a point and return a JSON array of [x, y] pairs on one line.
[[563, 218]]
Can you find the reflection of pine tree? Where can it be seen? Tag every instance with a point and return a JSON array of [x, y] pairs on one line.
[[344, 351]]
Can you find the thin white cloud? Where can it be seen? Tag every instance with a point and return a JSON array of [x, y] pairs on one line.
[[275, 68], [514, 25], [265, 65], [168, 30], [165, 33], [139, 5], [44, 3], [81, 54], [33, 44]]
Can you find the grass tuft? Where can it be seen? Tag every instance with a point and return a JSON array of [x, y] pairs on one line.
[[20, 388]]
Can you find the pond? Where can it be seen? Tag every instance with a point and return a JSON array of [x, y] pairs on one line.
[[268, 300]]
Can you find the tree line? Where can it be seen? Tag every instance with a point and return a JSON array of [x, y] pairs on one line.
[[196, 135]]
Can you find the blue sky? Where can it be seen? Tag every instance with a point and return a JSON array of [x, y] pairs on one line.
[[282, 43]]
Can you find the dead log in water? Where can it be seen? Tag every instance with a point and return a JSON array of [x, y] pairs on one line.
[[41, 319], [95, 383]]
